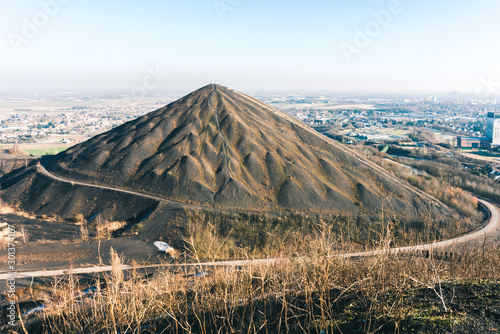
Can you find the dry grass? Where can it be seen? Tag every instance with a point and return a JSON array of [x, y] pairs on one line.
[[5, 209], [105, 229], [21, 234], [219, 236], [305, 294], [442, 190]]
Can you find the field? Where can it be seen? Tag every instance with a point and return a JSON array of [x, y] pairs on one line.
[[55, 106], [481, 155], [396, 132], [326, 106], [46, 151]]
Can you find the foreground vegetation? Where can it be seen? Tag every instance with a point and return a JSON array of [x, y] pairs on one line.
[[450, 170], [316, 292], [441, 177], [221, 236], [442, 188]]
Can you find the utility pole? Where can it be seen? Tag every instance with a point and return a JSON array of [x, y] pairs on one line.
[[15, 150]]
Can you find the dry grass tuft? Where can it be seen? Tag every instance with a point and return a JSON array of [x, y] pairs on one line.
[[117, 267]]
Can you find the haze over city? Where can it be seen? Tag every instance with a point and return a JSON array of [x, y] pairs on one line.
[[424, 46]]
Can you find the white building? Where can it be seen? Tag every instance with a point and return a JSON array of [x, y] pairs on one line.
[[493, 128]]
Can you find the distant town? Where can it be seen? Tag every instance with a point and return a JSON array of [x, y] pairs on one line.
[[360, 118], [41, 117], [379, 119]]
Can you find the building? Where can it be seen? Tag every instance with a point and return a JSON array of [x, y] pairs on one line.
[[493, 128], [473, 142], [492, 139]]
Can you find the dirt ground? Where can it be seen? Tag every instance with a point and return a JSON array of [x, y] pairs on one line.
[[55, 244]]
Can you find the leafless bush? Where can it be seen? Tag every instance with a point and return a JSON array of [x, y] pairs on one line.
[[84, 233]]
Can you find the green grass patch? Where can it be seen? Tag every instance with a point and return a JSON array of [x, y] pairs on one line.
[[45, 151]]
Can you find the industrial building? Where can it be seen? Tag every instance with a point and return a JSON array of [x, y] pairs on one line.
[[493, 128], [473, 142]]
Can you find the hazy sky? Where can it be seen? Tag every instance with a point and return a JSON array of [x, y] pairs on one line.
[[424, 45]]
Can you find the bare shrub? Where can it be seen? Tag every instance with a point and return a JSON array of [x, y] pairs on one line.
[[105, 229], [84, 233], [5, 208]]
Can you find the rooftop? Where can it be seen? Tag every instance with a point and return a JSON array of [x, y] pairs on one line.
[[475, 138]]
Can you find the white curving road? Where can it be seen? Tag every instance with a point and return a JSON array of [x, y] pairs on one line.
[[40, 169]]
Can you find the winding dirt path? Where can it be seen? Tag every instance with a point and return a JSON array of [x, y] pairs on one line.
[[40, 169]]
